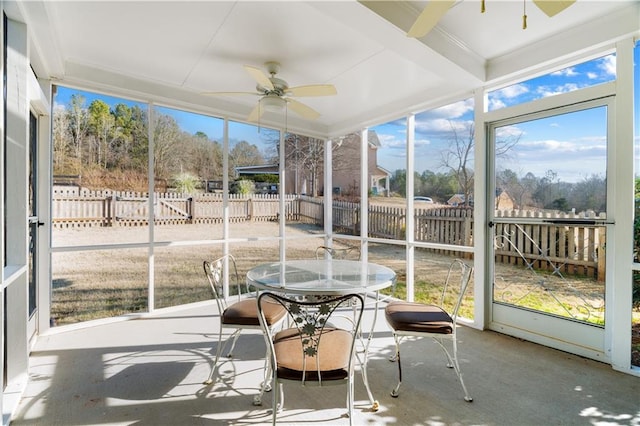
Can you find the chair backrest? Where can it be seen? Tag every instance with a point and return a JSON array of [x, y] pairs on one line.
[[463, 271], [346, 253], [318, 325], [217, 271]]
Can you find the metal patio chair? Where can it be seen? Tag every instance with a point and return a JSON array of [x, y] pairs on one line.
[[347, 253], [238, 315], [438, 322], [313, 350]]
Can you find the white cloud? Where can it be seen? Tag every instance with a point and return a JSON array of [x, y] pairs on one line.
[[390, 141], [549, 145], [508, 132], [442, 125], [511, 91], [495, 104], [577, 149], [451, 111], [608, 65], [546, 91], [592, 75], [567, 72]]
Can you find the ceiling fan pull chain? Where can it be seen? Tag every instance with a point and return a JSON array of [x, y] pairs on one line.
[[524, 14]]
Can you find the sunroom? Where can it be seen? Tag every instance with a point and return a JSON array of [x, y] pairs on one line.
[[125, 123]]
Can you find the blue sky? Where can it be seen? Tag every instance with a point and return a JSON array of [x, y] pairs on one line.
[[543, 145], [189, 122], [572, 145]]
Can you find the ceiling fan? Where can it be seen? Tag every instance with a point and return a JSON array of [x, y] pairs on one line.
[[436, 9], [275, 93]]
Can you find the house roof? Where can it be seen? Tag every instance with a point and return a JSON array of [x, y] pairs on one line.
[[257, 170], [170, 52]]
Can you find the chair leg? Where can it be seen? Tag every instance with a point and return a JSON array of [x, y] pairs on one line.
[[456, 367], [219, 350], [350, 393], [394, 392], [274, 408], [221, 346], [280, 390], [452, 362], [265, 386], [278, 400], [235, 336]]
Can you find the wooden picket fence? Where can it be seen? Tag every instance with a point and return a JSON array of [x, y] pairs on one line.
[[563, 248], [81, 208]]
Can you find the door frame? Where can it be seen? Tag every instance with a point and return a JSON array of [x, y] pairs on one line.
[[40, 106], [535, 326]]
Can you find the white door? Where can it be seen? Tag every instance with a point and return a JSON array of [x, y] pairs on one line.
[[547, 213], [34, 224]]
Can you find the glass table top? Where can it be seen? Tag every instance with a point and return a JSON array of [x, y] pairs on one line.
[[322, 276]]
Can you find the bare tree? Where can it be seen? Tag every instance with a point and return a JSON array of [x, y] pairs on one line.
[[244, 154], [79, 124], [459, 155], [305, 155], [62, 160], [166, 152]]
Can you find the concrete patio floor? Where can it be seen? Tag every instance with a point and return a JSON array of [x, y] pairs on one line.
[[149, 371]]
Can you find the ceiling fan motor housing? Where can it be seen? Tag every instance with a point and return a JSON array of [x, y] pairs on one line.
[[279, 87]]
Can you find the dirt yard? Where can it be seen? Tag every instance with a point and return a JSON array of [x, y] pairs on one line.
[[106, 282], [89, 284]]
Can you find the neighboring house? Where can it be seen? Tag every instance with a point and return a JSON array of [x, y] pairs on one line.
[[346, 170], [267, 169], [503, 200], [249, 171], [379, 180], [457, 200], [346, 167]]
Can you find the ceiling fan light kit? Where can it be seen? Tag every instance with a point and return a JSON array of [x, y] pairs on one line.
[[273, 103]]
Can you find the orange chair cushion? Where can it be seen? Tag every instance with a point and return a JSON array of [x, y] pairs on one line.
[[418, 317], [245, 312], [332, 359]]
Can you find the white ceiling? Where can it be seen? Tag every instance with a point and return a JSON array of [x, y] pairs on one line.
[[171, 52]]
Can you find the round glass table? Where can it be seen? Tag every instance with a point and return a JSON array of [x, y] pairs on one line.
[[321, 277], [330, 277]]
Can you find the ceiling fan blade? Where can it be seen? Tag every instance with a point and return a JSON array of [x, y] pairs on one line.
[[256, 113], [231, 93], [302, 110], [553, 7], [259, 76], [313, 90], [430, 16]]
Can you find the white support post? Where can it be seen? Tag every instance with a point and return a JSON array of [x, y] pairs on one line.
[[150, 217], [481, 232], [364, 194], [409, 231], [328, 191], [225, 200], [620, 190], [282, 192]]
